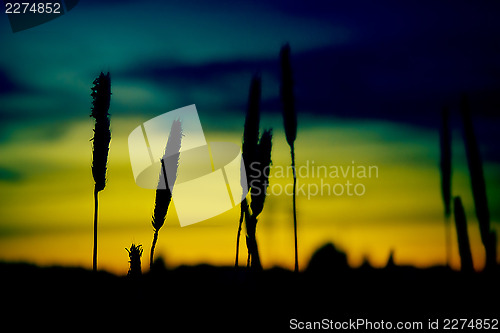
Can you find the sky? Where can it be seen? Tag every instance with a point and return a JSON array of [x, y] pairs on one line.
[[371, 79]]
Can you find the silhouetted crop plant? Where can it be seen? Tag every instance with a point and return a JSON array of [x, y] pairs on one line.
[[258, 194], [169, 163], [249, 147], [445, 167], [101, 93], [462, 236], [290, 124], [135, 254], [474, 161]]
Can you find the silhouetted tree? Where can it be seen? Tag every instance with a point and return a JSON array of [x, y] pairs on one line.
[[328, 261]]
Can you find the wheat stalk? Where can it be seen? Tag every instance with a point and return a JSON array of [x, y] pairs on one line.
[[101, 93], [445, 167], [135, 254], [290, 124], [258, 194], [169, 162], [249, 147], [462, 236], [259, 184], [474, 161]]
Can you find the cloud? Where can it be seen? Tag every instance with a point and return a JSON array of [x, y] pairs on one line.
[[367, 81], [9, 175], [7, 85], [391, 60]]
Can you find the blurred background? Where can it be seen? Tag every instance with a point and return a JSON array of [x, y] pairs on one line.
[[371, 79]]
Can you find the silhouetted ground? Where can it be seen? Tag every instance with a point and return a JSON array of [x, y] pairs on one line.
[[222, 298]]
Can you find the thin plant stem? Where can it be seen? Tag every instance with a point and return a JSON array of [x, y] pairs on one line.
[[248, 259], [101, 94], [292, 152], [96, 204], [253, 260], [446, 173], [447, 226], [244, 209], [466, 264], [151, 257]]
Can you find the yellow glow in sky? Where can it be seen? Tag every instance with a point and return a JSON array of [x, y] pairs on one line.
[[46, 214]]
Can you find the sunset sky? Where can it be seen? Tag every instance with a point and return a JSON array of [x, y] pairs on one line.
[[371, 79]]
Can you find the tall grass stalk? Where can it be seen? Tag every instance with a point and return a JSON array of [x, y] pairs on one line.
[[101, 94], [445, 167], [249, 147], [462, 236], [258, 194], [290, 124], [474, 161], [169, 163]]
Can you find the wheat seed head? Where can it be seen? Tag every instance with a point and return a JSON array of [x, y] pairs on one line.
[[169, 166], [101, 93]]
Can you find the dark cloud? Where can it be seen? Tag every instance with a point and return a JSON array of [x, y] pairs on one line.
[[403, 61], [9, 175], [408, 82], [7, 85]]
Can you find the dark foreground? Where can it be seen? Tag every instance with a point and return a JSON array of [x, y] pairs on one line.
[[213, 299]]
